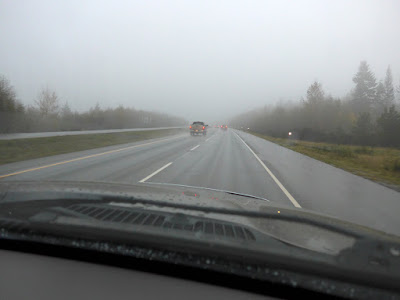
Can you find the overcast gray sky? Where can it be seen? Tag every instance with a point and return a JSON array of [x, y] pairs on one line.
[[202, 60]]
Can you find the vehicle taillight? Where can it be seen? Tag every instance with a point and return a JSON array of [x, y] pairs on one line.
[[190, 127], [203, 127]]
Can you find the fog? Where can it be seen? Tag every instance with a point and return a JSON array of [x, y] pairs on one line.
[[201, 60]]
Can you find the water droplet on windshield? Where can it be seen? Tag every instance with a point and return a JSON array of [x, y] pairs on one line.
[[395, 251]]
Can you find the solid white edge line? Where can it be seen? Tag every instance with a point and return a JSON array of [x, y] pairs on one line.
[[156, 172], [194, 147], [284, 190]]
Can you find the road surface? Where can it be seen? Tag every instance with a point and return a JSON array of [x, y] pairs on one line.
[[228, 160], [13, 136]]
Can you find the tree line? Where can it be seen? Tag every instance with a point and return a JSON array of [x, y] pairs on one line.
[[368, 115], [48, 114]]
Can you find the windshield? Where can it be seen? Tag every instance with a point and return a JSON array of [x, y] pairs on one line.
[[298, 102]]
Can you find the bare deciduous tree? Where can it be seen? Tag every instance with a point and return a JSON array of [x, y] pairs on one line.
[[47, 102]]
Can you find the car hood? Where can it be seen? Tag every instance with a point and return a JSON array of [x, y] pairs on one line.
[[170, 193], [299, 227]]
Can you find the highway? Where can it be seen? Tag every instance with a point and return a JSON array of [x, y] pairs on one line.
[[229, 160], [13, 136]]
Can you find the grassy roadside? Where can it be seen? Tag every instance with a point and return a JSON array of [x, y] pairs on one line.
[[381, 165], [23, 149]]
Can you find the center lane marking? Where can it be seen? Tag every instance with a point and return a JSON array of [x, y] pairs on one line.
[[156, 172], [284, 190], [210, 138], [166, 166]]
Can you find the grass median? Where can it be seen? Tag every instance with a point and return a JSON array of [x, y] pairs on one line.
[[24, 149], [379, 164]]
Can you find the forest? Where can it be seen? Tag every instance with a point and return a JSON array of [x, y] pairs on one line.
[[49, 114], [369, 115]]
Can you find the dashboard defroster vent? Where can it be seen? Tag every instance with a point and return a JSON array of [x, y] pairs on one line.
[[164, 220]]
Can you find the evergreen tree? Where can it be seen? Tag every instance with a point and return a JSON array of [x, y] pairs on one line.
[[315, 97], [379, 104], [11, 110], [8, 102], [389, 125], [388, 98], [363, 129], [364, 94]]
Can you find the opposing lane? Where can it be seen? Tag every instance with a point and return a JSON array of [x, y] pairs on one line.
[[31, 135], [125, 166]]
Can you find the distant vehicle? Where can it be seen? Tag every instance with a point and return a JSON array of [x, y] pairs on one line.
[[198, 128], [224, 127]]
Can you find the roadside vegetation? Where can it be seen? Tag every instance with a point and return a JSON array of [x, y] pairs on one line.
[[359, 132], [49, 113], [379, 164], [368, 116], [23, 149]]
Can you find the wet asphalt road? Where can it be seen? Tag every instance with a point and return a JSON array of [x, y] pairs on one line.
[[227, 160]]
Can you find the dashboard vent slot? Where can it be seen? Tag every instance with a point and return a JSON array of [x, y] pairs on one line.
[[164, 220]]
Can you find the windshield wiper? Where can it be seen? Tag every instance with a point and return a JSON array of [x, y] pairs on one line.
[[210, 189]]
